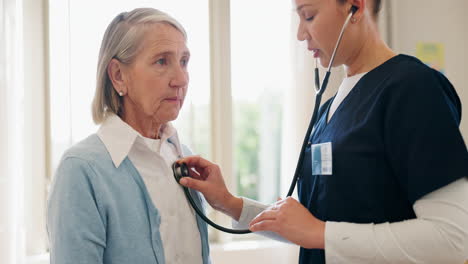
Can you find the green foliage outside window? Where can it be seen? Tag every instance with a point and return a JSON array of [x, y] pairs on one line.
[[246, 144]]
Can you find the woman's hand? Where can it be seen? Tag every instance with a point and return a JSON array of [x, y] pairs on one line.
[[206, 178], [291, 220]]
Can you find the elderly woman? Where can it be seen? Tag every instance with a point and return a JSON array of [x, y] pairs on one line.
[[114, 199]]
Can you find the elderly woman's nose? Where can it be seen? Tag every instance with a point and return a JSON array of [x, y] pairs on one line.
[[180, 77]]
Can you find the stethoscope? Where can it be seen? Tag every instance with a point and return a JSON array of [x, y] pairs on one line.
[[181, 170]]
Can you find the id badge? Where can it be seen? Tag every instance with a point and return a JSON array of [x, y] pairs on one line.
[[322, 159]]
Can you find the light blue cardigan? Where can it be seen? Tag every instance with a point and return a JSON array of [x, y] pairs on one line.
[[98, 213]]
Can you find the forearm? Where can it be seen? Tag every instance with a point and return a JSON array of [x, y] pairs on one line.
[[438, 235], [232, 207]]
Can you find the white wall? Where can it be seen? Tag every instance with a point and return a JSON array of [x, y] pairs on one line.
[[436, 21]]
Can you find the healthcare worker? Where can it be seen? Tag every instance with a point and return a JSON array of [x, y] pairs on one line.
[[384, 176]]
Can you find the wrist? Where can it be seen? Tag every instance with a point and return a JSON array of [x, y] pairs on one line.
[[315, 238], [321, 235], [234, 207]]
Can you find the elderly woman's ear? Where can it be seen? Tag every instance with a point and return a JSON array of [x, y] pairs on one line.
[[116, 75]]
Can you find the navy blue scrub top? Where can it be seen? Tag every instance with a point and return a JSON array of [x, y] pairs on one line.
[[395, 138]]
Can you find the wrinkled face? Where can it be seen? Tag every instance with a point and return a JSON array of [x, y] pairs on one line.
[[320, 25], [157, 79]]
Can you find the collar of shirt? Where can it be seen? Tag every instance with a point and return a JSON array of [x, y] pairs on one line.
[[347, 85], [345, 88], [119, 138]]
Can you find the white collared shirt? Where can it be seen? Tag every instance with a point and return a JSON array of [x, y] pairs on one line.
[[153, 159]]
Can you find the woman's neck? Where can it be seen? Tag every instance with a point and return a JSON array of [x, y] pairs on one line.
[[147, 126], [371, 53]]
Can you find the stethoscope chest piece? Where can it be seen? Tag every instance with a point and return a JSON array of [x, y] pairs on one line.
[[180, 170]]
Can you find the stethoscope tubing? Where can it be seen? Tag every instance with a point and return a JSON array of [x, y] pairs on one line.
[[207, 220]]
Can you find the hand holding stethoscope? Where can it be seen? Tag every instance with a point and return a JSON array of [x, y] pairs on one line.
[[287, 217]]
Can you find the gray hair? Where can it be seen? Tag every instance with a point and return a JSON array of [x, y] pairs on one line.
[[122, 40]]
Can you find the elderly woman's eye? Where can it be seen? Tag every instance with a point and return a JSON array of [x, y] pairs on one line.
[[310, 18], [161, 61], [184, 62]]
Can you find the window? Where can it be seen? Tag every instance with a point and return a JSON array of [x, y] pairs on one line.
[[260, 69]]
